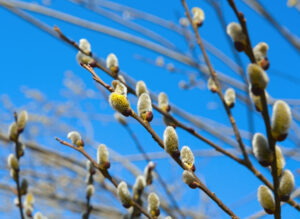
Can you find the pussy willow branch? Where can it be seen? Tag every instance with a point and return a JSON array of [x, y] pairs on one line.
[[105, 173], [215, 78], [265, 113], [194, 133], [19, 195], [155, 136]]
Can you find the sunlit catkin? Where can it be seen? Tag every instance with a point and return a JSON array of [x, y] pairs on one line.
[[163, 102], [266, 199], [234, 30], [90, 190], [144, 107], [140, 88], [138, 186], [281, 120], [12, 162], [187, 157], [103, 157], [22, 120], [198, 16], [260, 54], [258, 79], [112, 63], [13, 131], [171, 141], [280, 161], [120, 103], [211, 85], [124, 194], [153, 205], [286, 184], [189, 178], [261, 149], [75, 138], [229, 97], [83, 57]]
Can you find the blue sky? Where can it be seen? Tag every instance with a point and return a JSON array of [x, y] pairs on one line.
[[33, 58]]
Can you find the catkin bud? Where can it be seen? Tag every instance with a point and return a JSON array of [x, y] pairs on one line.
[[144, 106], [229, 97], [153, 204], [119, 87], [198, 16], [266, 199], [260, 54], [189, 178], [171, 141], [261, 149], [187, 157], [140, 88], [21, 150], [90, 167], [112, 63], [280, 160], [12, 162], [13, 174], [85, 46], [148, 173], [90, 190], [286, 185], [124, 195], [160, 61], [212, 85], [103, 157], [39, 215], [120, 118], [29, 199], [258, 79], [281, 120], [163, 102], [13, 131], [138, 186], [234, 30], [22, 120], [24, 187], [75, 138], [28, 210], [120, 103]]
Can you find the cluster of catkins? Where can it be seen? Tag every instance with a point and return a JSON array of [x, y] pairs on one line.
[[138, 188], [280, 123], [15, 129]]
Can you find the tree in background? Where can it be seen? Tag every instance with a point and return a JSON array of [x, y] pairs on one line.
[[168, 126]]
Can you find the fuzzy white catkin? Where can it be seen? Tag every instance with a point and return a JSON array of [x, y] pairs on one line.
[[12, 162], [280, 160], [187, 156], [124, 194], [168, 217], [266, 199], [198, 16], [39, 215], [112, 61], [257, 76], [119, 87], [281, 120], [163, 101], [211, 85], [139, 185], [29, 200], [120, 103], [13, 131], [261, 149], [234, 30], [75, 138], [170, 140], [90, 190], [22, 120], [153, 202], [286, 183], [188, 177], [260, 51], [144, 105], [140, 88], [84, 45], [102, 155], [148, 172], [229, 97]]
